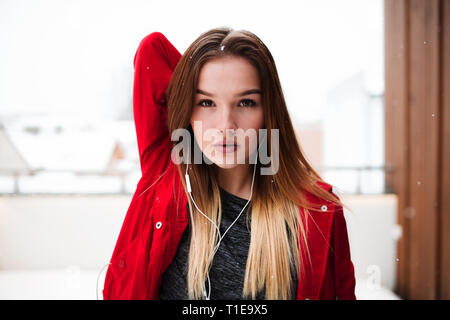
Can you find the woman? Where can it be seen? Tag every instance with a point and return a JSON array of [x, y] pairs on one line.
[[182, 237]]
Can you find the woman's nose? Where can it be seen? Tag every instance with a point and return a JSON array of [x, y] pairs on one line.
[[227, 119]]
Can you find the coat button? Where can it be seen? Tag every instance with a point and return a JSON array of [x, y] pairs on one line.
[[158, 225], [324, 208]]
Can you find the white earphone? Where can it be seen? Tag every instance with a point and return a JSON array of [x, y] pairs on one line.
[[188, 184]]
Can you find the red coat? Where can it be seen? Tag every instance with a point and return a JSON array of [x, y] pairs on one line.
[[157, 215]]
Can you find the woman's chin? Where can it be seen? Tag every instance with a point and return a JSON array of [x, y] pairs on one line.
[[227, 163], [223, 165]]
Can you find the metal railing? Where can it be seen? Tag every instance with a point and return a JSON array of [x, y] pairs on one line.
[[16, 175], [122, 175], [387, 168]]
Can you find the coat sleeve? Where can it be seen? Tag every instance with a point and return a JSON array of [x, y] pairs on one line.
[[154, 62], [127, 276], [344, 270]]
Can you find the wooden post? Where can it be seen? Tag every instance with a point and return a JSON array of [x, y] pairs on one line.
[[417, 141], [444, 194]]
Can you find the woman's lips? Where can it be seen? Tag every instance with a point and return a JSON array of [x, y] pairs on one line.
[[226, 148]]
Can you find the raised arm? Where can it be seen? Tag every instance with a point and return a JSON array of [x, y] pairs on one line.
[[154, 62]]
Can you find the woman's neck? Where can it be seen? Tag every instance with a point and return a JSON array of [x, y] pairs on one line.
[[237, 180]]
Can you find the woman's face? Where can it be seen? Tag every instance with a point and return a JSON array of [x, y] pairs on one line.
[[227, 104]]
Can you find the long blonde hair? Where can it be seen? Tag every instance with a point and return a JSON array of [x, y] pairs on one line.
[[278, 229]]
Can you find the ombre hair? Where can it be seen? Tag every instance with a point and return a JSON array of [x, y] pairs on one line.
[[278, 242]]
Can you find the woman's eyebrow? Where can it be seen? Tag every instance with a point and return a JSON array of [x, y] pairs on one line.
[[246, 92]]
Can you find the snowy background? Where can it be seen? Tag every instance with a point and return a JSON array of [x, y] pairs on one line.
[[68, 64]]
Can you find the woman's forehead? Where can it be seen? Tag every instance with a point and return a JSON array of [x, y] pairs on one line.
[[234, 74]]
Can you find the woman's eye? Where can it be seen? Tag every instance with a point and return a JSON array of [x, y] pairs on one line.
[[248, 103], [242, 103], [204, 103]]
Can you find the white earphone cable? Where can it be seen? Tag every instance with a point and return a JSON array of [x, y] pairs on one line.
[[98, 277], [188, 184]]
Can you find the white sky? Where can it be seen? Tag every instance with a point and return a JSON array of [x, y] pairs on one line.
[[75, 57]]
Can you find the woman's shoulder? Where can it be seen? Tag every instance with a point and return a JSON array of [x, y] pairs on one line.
[[315, 198], [322, 208], [325, 185]]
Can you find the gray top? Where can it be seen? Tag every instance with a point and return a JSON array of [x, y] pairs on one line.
[[228, 267]]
